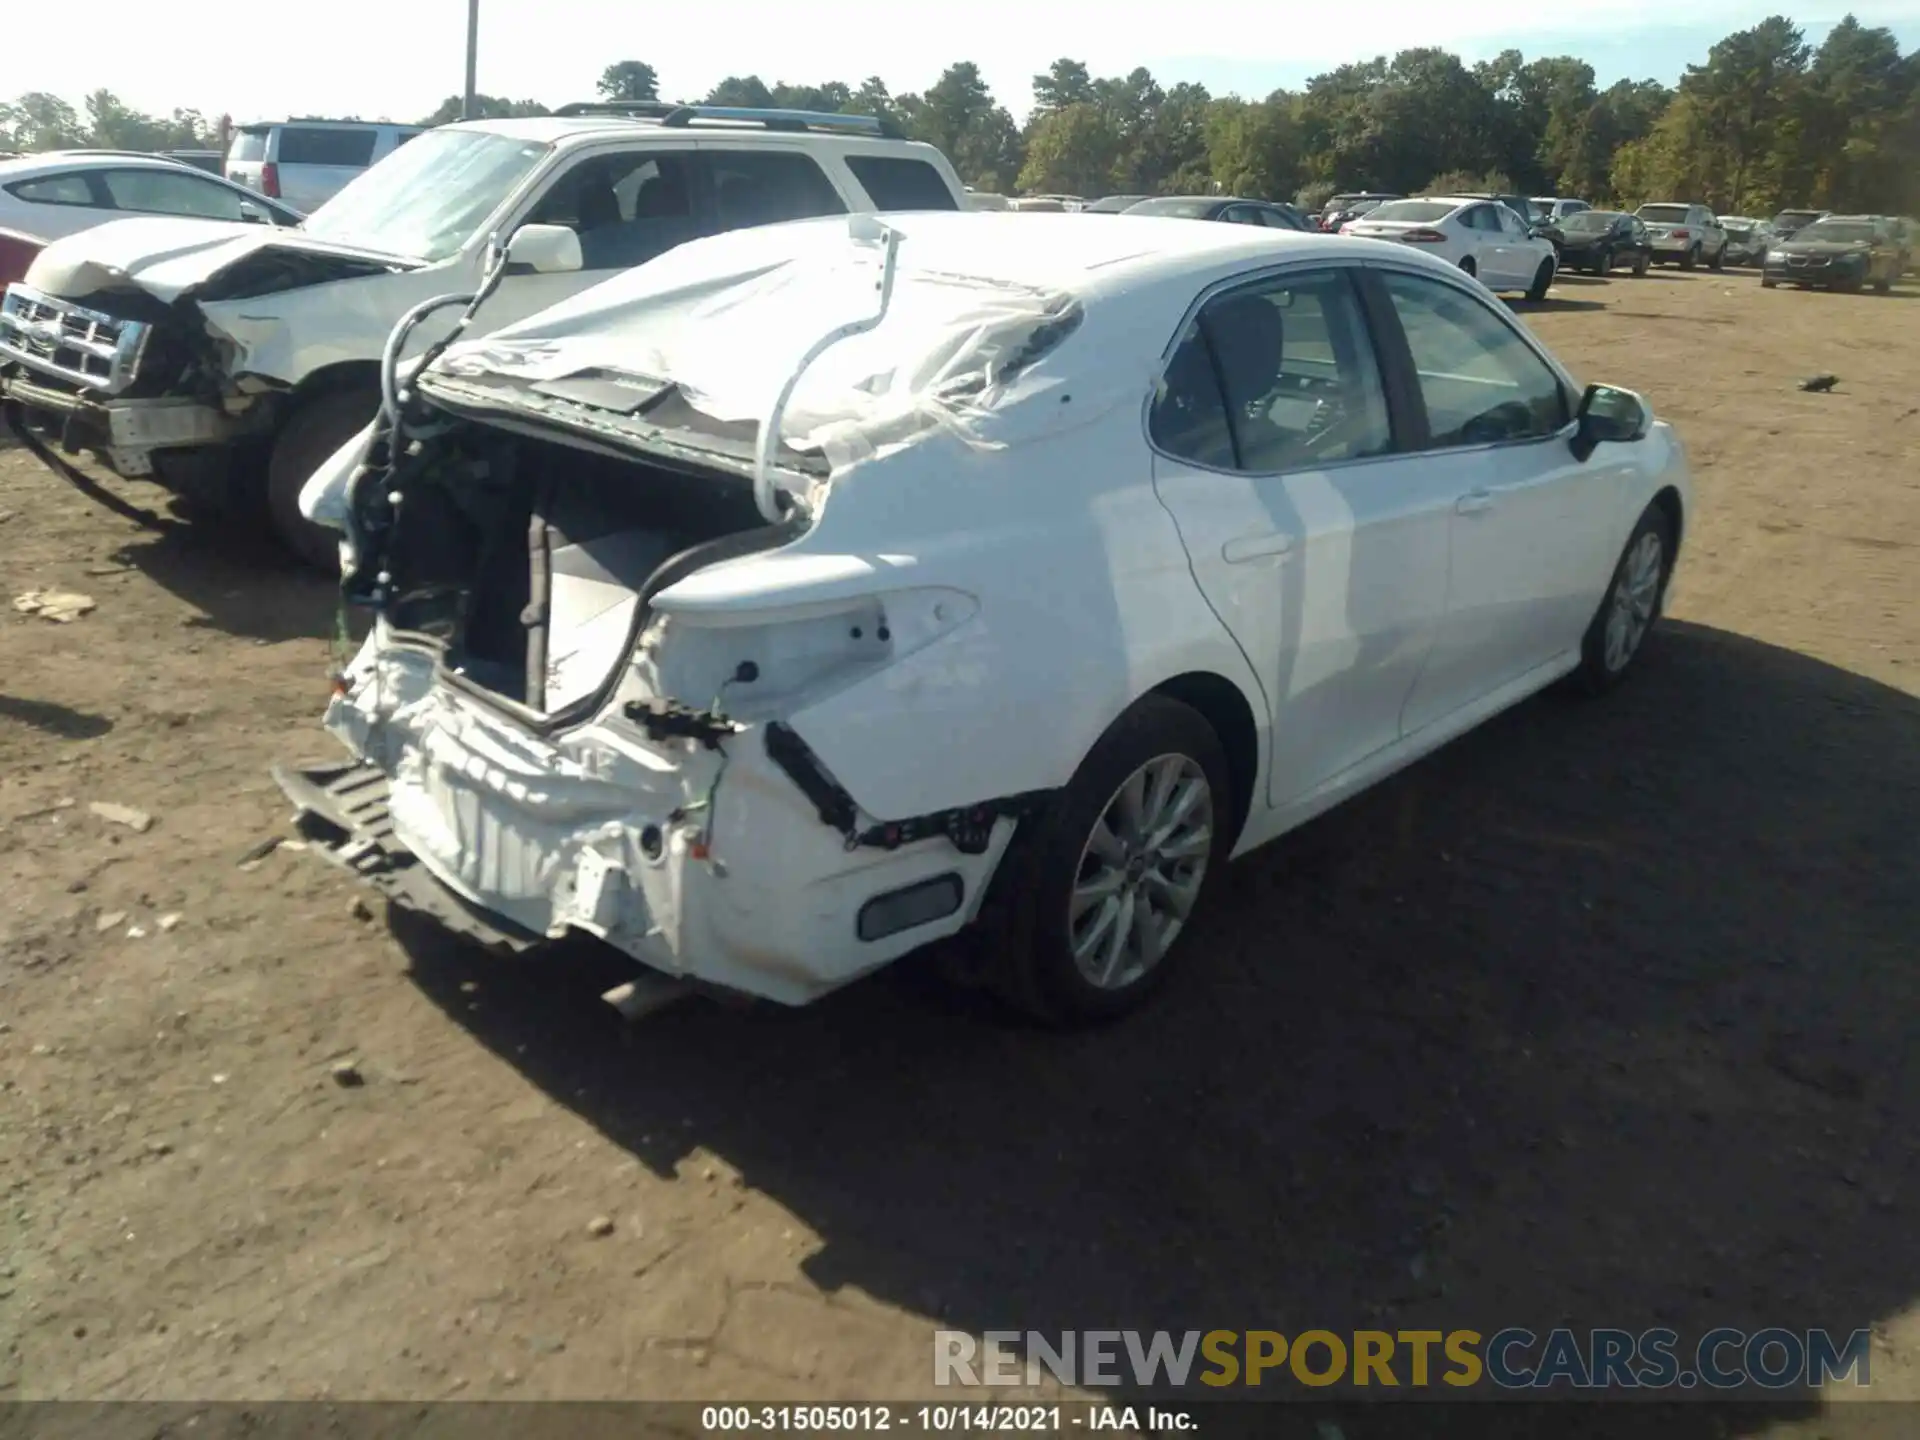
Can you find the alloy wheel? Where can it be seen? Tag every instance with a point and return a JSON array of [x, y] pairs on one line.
[[1635, 594], [1140, 871]]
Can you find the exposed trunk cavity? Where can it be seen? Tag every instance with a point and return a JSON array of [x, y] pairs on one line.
[[530, 562]]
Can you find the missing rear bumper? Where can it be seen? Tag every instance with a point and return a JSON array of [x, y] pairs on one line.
[[341, 810]]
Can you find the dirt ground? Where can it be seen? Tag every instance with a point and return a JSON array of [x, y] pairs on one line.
[[1602, 1016]]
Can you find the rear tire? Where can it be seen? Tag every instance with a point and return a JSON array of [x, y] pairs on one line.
[[1642, 263], [1542, 280], [1883, 287], [1604, 264], [1719, 260], [1767, 282], [1075, 874], [305, 443], [1690, 260], [1466, 264], [1635, 598]]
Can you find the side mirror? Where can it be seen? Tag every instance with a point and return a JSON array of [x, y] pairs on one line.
[[1609, 413], [252, 214], [544, 250]]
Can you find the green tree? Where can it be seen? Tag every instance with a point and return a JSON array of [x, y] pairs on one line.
[[629, 80], [1744, 97], [1065, 83], [957, 113], [1253, 147], [39, 121], [748, 90], [872, 98], [1071, 151]]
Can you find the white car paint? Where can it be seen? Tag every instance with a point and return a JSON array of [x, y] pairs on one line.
[[1482, 235], [59, 193], [1042, 559]]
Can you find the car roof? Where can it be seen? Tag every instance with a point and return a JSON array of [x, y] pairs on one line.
[[563, 129], [47, 162], [305, 120], [1056, 251]]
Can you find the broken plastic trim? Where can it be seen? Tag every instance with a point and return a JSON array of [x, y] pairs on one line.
[[968, 827]]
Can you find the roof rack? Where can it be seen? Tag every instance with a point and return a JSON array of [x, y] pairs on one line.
[[680, 116], [651, 109]]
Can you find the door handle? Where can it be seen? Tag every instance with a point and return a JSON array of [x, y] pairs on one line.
[[1474, 502], [1252, 547]]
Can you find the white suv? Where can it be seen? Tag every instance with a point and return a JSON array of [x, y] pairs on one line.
[[192, 352], [308, 162], [1684, 235]]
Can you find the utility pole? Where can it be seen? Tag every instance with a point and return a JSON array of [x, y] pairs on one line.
[[470, 102]]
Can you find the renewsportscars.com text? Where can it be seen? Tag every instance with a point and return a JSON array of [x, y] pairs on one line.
[[1509, 1359]]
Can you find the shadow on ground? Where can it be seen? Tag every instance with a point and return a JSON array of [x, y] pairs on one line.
[[240, 580], [1600, 1017], [51, 718]]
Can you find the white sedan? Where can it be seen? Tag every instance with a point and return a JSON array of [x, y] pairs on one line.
[[62, 192], [955, 572], [1483, 237]]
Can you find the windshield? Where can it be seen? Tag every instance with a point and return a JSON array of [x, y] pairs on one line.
[[1794, 217], [428, 197], [1185, 209], [1419, 211], [1664, 214], [1589, 222], [1836, 232]]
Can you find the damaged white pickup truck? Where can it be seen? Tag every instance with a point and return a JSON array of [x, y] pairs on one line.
[[226, 361], [806, 596]]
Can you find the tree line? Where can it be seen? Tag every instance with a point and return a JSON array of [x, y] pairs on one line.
[[1766, 120]]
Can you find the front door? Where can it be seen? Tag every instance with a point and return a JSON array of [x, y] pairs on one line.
[[1532, 528], [1323, 554]]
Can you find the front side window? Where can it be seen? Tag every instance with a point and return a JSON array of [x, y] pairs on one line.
[[626, 208], [160, 192], [1481, 383], [54, 190], [1296, 377]]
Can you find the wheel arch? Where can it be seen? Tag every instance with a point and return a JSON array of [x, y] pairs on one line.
[[1225, 707], [1668, 499], [331, 380]]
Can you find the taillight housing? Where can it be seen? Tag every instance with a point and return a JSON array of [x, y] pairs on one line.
[[1424, 237], [1678, 234], [270, 180]]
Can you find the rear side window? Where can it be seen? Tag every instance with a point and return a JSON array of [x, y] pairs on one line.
[[1300, 384], [1481, 383], [1189, 419], [54, 190], [893, 182], [249, 147], [317, 145], [764, 187]]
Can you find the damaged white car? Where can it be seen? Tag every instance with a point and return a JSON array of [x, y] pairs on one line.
[[807, 596]]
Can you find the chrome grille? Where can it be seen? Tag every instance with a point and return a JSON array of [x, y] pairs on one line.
[[59, 338]]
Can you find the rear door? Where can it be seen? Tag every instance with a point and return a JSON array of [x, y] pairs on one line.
[[315, 162], [1322, 551]]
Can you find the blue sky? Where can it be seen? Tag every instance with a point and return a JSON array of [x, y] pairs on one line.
[[401, 57]]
